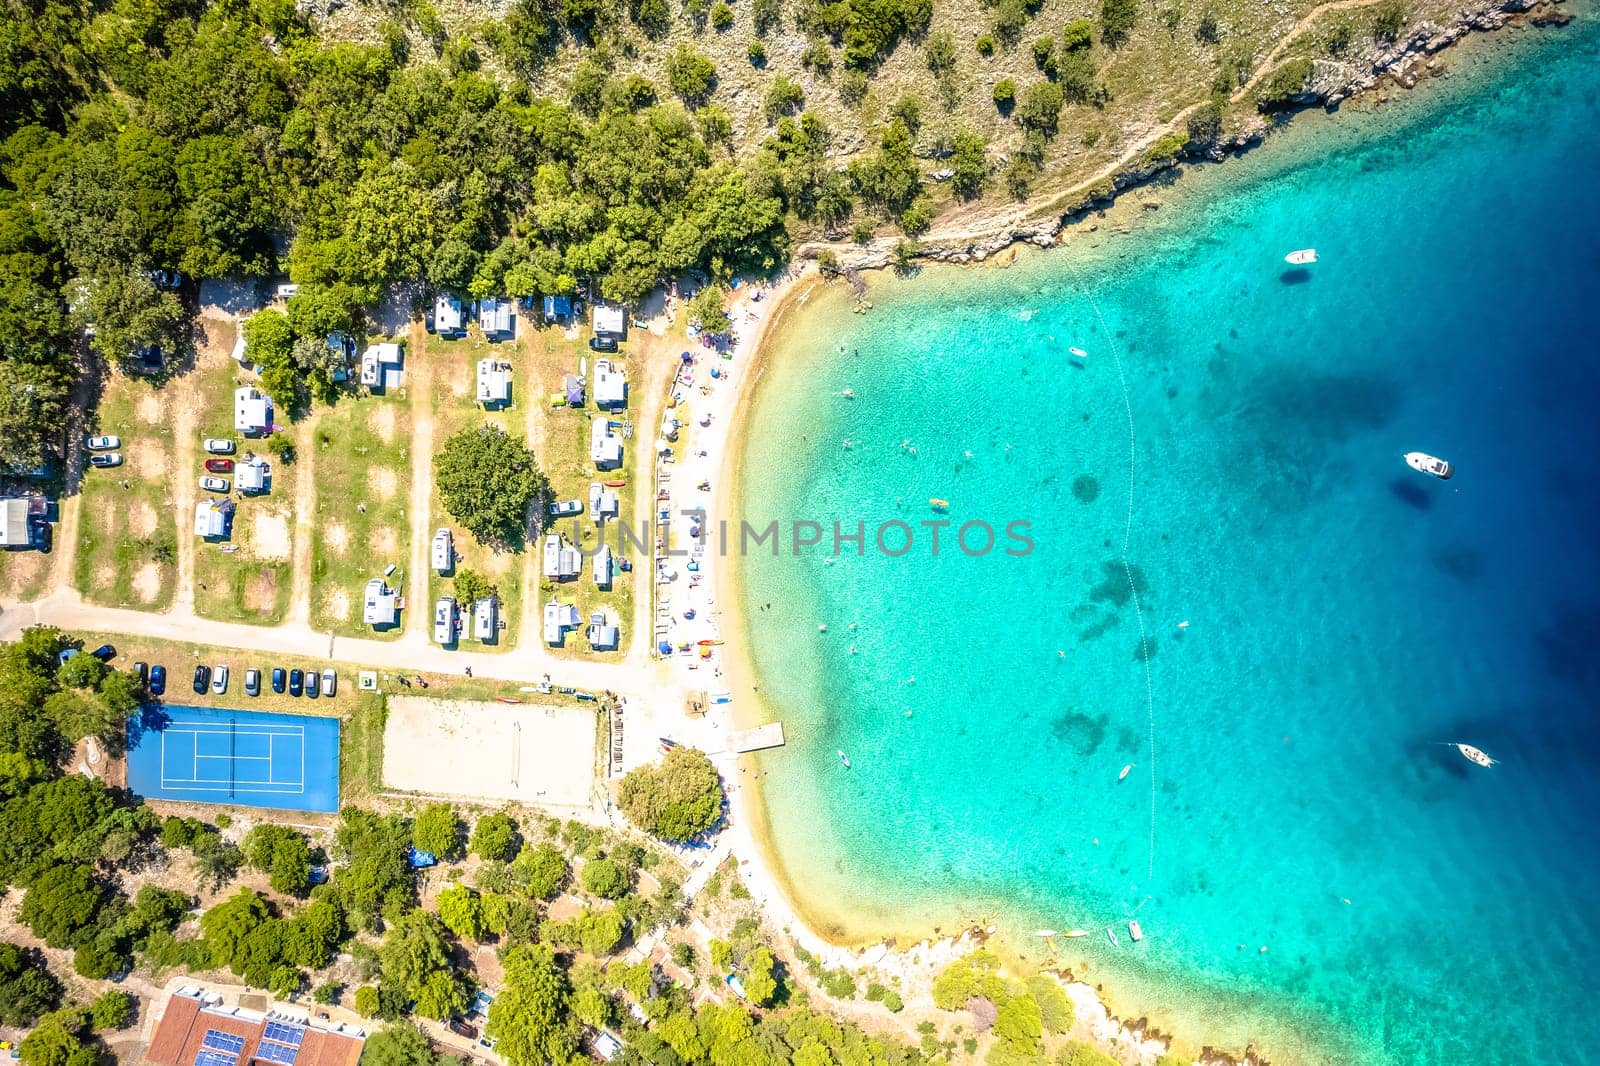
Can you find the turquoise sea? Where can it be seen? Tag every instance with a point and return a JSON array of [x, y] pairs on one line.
[[1291, 788]]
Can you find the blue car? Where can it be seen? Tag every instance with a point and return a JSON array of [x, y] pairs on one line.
[[296, 679], [158, 680], [278, 677]]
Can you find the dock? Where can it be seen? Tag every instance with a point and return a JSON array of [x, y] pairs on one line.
[[757, 739]]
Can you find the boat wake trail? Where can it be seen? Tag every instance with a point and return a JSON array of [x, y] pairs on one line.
[[1127, 568]]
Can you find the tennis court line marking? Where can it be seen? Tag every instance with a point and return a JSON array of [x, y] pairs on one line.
[[272, 731]]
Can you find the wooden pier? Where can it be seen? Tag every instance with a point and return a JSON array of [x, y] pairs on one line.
[[757, 739]]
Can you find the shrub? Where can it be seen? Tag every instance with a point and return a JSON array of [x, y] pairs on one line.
[[366, 1001], [1078, 35], [691, 75], [766, 15], [1005, 95], [1039, 108], [721, 15], [1205, 122], [1390, 16], [985, 45], [940, 52], [784, 97], [1009, 18], [1044, 56], [494, 837], [111, 1009], [1168, 146], [1117, 18], [1284, 86], [853, 87], [1206, 30], [757, 54]]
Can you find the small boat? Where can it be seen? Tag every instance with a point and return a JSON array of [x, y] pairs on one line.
[[709, 643], [1075, 933], [1046, 933], [1301, 257], [938, 504], [1431, 465], [848, 394], [844, 759], [1125, 771], [1079, 353], [1134, 931], [1111, 935], [507, 699], [617, 484], [1475, 755]]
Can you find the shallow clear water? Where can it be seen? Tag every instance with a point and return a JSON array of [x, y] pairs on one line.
[[1346, 614]]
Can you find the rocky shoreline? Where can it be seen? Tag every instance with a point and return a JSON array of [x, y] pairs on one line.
[[1407, 60]]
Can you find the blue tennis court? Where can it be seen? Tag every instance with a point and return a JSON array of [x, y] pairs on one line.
[[215, 755]]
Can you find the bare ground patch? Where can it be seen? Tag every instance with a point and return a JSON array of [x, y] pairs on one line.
[[147, 582], [382, 481], [385, 541], [142, 519], [149, 460], [105, 578], [261, 591], [337, 605], [337, 537], [382, 422], [269, 535], [150, 409], [498, 564]]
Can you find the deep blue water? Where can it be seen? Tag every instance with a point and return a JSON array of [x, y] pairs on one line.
[[1347, 616]]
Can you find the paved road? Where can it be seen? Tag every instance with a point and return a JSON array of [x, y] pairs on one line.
[[65, 609]]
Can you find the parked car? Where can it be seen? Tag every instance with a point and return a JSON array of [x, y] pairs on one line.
[[105, 652], [141, 673], [158, 680], [277, 679], [219, 679], [202, 678], [330, 682], [105, 459], [313, 685], [218, 445], [215, 484], [603, 344], [296, 681], [562, 508], [461, 1028], [220, 466], [252, 682], [103, 444], [167, 279], [150, 358]]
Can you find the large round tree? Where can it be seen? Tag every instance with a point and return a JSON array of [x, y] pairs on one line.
[[678, 799], [488, 480]]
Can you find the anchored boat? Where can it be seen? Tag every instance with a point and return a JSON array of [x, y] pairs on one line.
[[1431, 465], [1475, 755], [1076, 933], [1301, 257], [1126, 770], [1134, 931], [844, 759]]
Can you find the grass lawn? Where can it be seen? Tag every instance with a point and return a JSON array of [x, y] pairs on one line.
[[252, 583], [127, 537], [361, 448], [564, 457], [455, 407]]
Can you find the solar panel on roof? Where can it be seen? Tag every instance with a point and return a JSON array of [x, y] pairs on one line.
[[273, 1051], [215, 1058], [219, 1041], [284, 1034]]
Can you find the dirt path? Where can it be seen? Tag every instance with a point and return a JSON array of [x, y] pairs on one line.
[[659, 361], [305, 510], [419, 387], [535, 426], [185, 420]]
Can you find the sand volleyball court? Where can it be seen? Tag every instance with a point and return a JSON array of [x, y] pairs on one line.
[[521, 752]]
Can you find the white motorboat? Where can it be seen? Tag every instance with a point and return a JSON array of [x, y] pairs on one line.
[[1301, 257], [1474, 755], [1431, 465], [1126, 770], [1076, 933], [1046, 933], [1111, 935], [1135, 932]]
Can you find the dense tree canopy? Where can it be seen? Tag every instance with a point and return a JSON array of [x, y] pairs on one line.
[[27, 988]]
